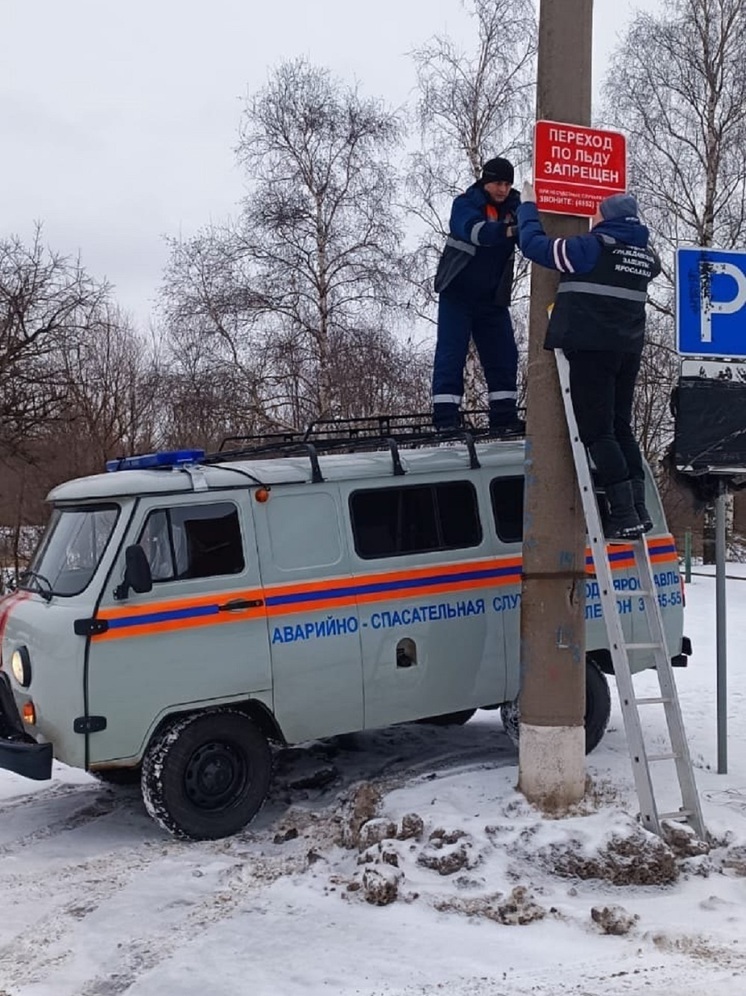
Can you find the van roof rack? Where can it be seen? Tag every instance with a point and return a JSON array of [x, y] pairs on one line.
[[348, 435], [343, 435]]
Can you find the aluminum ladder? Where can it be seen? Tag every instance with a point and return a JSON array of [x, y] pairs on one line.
[[691, 811]]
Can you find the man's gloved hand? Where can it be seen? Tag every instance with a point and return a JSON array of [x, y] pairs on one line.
[[528, 194]]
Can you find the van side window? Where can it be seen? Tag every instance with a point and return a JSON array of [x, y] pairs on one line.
[[390, 522], [304, 532], [507, 507], [193, 541]]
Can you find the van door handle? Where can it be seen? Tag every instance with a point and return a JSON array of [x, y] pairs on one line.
[[241, 603]]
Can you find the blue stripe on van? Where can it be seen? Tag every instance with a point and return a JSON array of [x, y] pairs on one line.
[[401, 584], [658, 548], [616, 555], [155, 617]]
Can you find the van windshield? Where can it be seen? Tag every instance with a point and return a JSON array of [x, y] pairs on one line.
[[71, 549]]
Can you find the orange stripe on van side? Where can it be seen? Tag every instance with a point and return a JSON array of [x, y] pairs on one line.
[[195, 601], [340, 592]]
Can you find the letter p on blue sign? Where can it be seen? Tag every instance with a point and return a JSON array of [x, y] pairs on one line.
[[710, 303]]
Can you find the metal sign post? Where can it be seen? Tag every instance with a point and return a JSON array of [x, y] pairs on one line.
[[721, 632], [710, 313]]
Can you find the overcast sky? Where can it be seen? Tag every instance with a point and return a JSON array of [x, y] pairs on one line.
[[118, 120]]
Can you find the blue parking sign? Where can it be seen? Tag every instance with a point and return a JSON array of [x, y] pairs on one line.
[[711, 303]]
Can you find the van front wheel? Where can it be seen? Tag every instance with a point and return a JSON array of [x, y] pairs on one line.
[[206, 775]]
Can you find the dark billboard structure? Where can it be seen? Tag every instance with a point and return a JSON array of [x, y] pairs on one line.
[[710, 434]]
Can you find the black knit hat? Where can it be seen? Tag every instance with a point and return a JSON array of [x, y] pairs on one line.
[[496, 170]]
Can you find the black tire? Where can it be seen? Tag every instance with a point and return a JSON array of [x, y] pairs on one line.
[[449, 718], [206, 775], [597, 708], [597, 704]]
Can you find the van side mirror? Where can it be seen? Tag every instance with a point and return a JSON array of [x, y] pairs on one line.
[[137, 575]]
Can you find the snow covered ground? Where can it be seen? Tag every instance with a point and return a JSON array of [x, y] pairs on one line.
[[487, 897]]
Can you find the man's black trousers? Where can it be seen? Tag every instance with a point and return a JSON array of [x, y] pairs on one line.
[[602, 387]]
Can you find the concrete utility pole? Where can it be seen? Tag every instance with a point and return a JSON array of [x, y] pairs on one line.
[[552, 701]]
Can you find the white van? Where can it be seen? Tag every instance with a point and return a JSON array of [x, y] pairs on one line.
[[184, 611]]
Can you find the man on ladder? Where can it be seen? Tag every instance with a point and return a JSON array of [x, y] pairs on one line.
[[598, 320], [598, 323]]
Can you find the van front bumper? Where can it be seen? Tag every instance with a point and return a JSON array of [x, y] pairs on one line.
[[19, 752]]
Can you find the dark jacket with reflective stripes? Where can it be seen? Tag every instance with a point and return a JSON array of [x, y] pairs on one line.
[[477, 261], [600, 302]]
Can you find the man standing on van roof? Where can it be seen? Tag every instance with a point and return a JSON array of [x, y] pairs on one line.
[[598, 320], [474, 281]]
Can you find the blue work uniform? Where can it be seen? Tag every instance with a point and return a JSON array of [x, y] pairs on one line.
[[598, 319], [474, 281]]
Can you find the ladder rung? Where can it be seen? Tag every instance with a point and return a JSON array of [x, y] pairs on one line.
[[643, 646], [662, 757], [658, 701], [680, 814]]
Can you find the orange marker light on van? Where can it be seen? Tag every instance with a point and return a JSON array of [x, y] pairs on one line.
[[262, 494], [28, 712]]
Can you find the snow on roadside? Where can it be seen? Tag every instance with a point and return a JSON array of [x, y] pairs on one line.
[[394, 863]]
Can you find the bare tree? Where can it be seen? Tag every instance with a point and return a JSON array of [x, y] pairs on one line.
[[304, 283], [472, 106], [47, 304], [112, 397], [75, 384], [677, 86]]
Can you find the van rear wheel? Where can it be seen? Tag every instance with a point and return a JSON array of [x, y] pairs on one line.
[[449, 718], [205, 776], [597, 708]]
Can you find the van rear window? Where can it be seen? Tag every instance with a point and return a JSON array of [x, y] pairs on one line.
[[507, 507], [391, 522]]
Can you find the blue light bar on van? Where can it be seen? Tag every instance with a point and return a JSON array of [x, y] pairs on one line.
[[169, 458]]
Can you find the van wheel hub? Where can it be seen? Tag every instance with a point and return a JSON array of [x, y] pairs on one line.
[[214, 776]]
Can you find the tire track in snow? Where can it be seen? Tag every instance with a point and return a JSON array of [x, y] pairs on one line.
[[177, 923], [62, 898], [89, 805]]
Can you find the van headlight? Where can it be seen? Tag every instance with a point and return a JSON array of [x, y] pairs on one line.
[[20, 665]]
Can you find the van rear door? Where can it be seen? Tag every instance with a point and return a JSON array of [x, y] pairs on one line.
[[432, 625], [312, 612]]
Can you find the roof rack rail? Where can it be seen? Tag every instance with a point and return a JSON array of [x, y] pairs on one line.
[[349, 435]]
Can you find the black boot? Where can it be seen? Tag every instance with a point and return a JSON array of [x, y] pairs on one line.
[[514, 427], [446, 417], [504, 420], [623, 521], [638, 494]]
